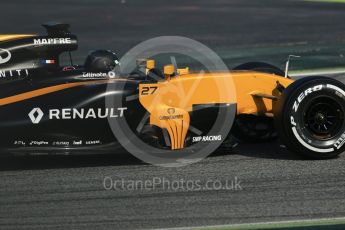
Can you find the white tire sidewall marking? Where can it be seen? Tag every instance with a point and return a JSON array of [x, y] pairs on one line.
[[341, 140], [292, 119], [294, 130], [336, 88]]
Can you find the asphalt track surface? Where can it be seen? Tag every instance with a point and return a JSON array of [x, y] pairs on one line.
[[67, 192]]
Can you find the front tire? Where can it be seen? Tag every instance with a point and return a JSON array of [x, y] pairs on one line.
[[309, 117]]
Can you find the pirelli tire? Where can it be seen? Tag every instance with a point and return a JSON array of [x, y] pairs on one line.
[[309, 117]]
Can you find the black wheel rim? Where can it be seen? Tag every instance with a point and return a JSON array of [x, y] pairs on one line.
[[324, 118]]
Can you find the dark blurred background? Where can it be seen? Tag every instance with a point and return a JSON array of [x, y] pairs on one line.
[[265, 30]]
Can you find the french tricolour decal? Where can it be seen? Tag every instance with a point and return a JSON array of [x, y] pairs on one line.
[[48, 61]]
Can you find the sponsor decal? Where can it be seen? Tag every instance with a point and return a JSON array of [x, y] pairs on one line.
[[95, 75], [78, 142], [56, 143], [172, 115], [171, 111], [68, 68], [207, 138], [110, 74], [52, 41], [5, 56], [14, 73], [61, 143], [93, 142], [38, 143], [37, 114], [19, 143]]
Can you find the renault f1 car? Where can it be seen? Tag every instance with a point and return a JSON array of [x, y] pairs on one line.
[[47, 108]]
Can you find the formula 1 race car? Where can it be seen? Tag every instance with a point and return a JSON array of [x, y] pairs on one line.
[[46, 108]]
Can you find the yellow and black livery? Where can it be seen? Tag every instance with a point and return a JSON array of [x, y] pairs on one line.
[[50, 108]]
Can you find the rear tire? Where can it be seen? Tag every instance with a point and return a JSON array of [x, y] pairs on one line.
[[309, 117]]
